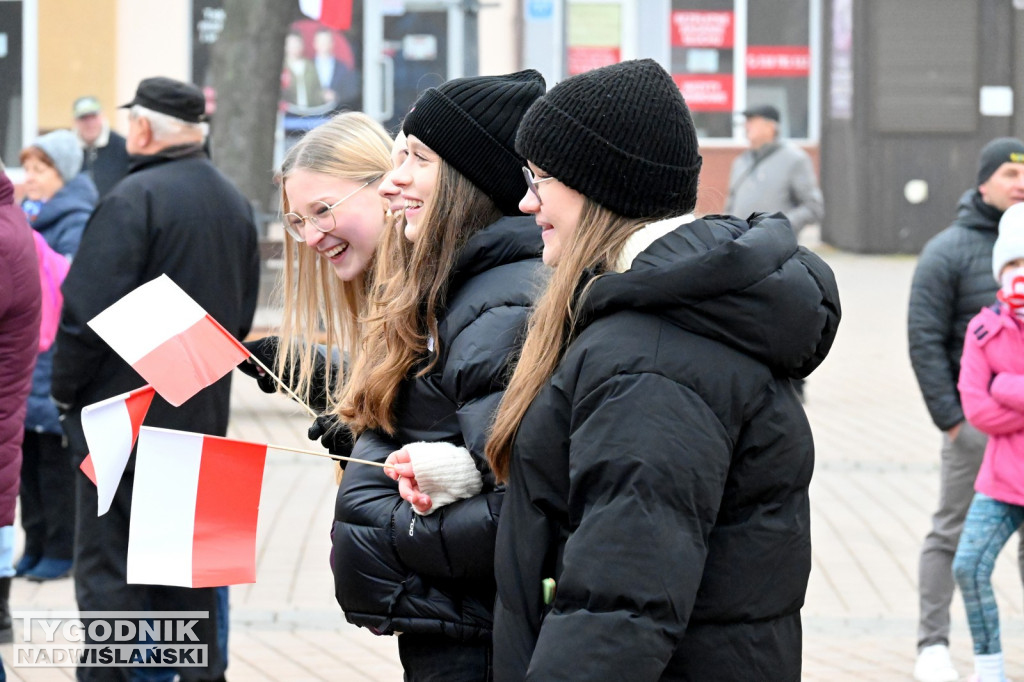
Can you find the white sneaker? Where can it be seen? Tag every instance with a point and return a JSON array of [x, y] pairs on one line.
[[935, 665]]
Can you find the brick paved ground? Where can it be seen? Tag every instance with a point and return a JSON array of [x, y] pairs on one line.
[[874, 487]]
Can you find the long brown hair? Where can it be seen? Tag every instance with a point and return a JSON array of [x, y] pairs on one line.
[[403, 310], [318, 305], [592, 248]]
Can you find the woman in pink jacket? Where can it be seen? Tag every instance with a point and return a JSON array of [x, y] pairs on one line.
[[992, 392]]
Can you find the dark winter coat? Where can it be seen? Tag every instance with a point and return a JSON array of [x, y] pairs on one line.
[[106, 165], [660, 477], [174, 214], [20, 302], [952, 282], [395, 571], [60, 222]]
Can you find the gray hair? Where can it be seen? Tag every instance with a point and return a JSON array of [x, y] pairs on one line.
[[166, 127]]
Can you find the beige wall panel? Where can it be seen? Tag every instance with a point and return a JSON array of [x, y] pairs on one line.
[[153, 39], [77, 56], [498, 37]]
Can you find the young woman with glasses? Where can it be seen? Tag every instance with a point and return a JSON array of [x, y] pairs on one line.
[[655, 523], [336, 224], [437, 343]]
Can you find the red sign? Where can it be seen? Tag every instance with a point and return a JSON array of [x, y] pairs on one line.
[[702, 29], [586, 58], [706, 92], [778, 61]]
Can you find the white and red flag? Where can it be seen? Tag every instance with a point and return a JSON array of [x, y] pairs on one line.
[[194, 509], [111, 428], [336, 14], [169, 339]]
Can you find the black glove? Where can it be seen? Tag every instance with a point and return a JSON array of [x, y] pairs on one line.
[[333, 434], [264, 350]]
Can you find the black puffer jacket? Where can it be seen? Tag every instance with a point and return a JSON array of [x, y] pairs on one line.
[[175, 214], [661, 475], [952, 282], [395, 571]]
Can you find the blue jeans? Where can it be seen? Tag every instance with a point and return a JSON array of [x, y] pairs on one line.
[[6, 551], [988, 526]]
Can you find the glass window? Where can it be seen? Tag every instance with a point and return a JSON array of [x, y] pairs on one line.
[[708, 40], [11, 95]]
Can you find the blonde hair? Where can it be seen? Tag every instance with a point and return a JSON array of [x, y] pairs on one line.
[[591, 250], [350, 146], [403, 309]]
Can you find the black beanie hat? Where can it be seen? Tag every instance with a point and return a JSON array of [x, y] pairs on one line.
[[621, 135], [471, 124], [997, 152]]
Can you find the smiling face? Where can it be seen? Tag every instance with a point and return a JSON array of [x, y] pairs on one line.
[[556, 210], [416, 177], [358, 220]]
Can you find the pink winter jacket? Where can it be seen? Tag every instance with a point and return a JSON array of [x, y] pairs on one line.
[[992, 393]]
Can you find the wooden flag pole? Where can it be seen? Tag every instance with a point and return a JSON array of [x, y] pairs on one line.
[[285, 386], [335, 457]]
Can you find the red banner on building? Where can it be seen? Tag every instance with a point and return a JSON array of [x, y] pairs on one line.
[[778, 61], [582, 59], [702, 29], [706, 92]]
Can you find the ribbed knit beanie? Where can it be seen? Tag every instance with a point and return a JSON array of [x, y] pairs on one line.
[[621, 135], [997, 152], [471, 124], [64, 150], [1010, 242]]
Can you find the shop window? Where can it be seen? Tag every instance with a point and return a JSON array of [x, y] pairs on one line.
[[727, 55], [11, 68]]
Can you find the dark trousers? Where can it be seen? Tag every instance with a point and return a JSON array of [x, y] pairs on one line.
[[47, 496], [101, 564], [435, 658]]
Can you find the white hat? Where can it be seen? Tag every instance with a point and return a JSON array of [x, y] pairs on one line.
[[1010, 243]]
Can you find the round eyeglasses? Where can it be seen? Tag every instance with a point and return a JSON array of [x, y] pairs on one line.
[[322, 217], [532, 181]]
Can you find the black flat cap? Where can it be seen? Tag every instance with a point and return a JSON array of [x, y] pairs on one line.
[[764, 111], [168, 96]]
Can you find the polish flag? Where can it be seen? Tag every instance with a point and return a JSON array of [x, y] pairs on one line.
[[169, 339], [336, 14], [194, 509], [111, 429]]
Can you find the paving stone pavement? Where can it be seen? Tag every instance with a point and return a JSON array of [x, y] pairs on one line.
[[874, 487]]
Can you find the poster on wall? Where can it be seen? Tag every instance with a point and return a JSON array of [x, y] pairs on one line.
[[321, 73], [594, 36], [702, 29], [711, 92], [778, 61]]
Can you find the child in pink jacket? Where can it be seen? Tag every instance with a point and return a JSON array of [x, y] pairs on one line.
[[992, 392]]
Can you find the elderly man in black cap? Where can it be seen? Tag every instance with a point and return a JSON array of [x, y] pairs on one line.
[[773, 175], [173, 214]]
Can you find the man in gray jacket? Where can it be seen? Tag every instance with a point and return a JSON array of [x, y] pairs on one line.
[[773, 175], [952, 282]]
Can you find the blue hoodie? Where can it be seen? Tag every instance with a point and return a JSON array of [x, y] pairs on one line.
[[61, 221]]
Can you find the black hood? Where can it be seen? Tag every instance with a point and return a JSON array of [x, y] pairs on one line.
[[744, 283], [509, 239]]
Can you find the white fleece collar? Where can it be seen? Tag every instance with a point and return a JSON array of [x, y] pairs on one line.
[[644, 237]]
